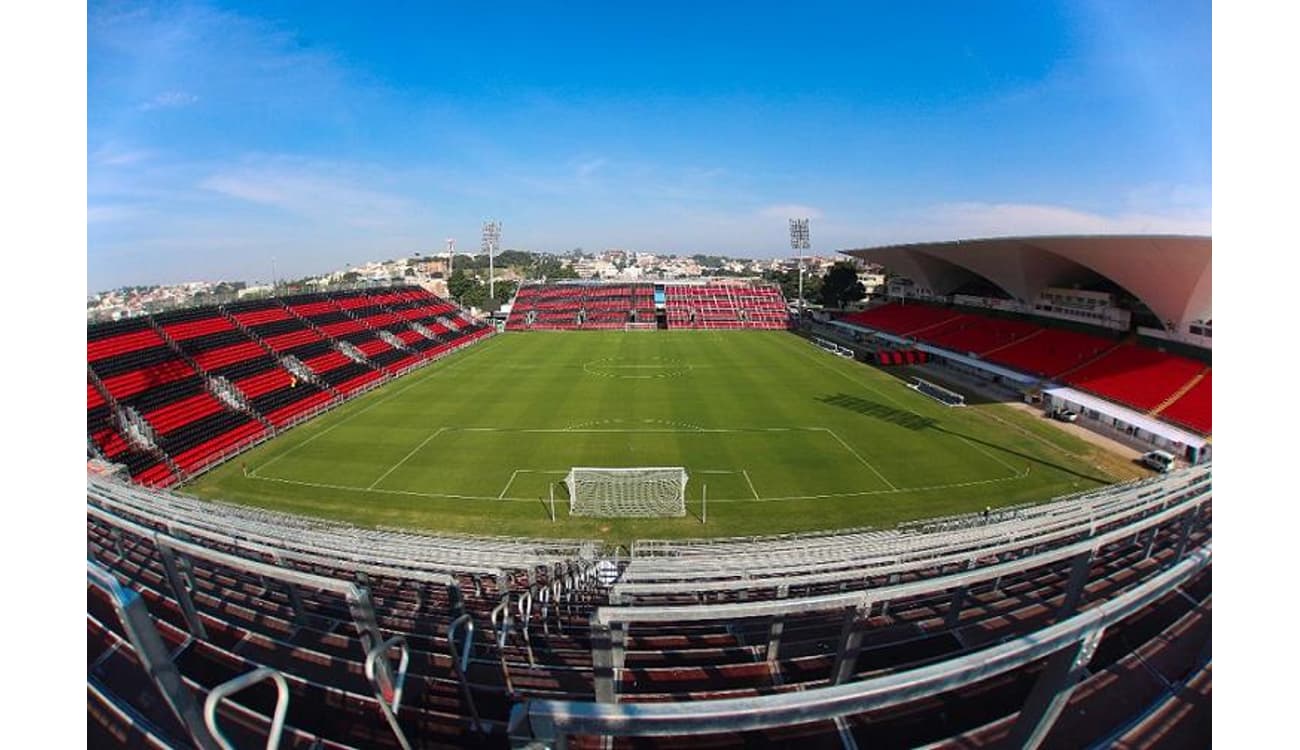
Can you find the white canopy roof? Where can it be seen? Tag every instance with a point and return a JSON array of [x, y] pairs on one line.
[[1170, 274]]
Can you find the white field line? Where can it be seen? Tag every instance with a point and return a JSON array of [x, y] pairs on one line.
[[815, 358], [414, 450], [751, 484], [825, 496], [981, 412], [991, 455], [858, 456], [647, 430], [428, 373], [506, 489]]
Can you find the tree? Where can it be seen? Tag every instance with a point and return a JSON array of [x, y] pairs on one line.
[[514, 258], [459, 284], [505, 290], [475, 295], [840, 285]]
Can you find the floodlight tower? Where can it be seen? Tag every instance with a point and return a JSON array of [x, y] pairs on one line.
[[451, 254], [491, 242], [799, 241]]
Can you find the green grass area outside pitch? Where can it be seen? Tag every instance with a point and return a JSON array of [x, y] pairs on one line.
[[785, 436]]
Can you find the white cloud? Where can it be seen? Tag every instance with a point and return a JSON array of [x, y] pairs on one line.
[[790, 211], [98, 214], [115, 155], [170, 100], [331, 194], [969, 220], [589, 167]]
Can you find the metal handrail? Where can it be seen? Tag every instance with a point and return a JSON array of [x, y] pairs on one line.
[[550, 721], [500, 620], [524, 606], [702, 612], [388, 689], [152, 653], [230, 687], [460, 661]]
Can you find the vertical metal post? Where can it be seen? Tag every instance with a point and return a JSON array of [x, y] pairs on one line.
[[1080, 565], [152, 654], [884, 606], [295, 602], [602, 662], [1185, 535], [704, 512], [775, 629], [1052, 691], [1152, 533], [953, 617], [850, 645], [182, 593]]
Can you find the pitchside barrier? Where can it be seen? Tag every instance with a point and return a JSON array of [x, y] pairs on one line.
[[938, 392]]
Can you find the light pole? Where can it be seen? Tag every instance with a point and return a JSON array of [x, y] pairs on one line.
[[491, 239], [273, 273], [799, 241]]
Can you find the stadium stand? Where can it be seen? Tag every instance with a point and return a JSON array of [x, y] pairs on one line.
[[1191, 408], [1135, 376], [1162, 384], [721, 305], [596, 306], [153, 376], [962, 631]]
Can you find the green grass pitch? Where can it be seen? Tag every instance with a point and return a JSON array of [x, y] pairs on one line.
[[785, 436]]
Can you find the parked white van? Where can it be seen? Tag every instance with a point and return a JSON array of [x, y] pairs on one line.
[[1161, 461]]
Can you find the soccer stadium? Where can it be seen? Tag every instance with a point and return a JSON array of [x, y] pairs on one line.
[[467, 376], [664, 514]]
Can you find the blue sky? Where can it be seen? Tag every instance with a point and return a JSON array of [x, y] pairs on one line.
[[222, 135]]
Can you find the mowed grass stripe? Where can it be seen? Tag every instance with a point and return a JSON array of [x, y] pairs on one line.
[[807, 440]]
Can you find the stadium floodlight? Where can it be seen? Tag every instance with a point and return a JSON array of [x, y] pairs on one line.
[[799, 240], [491, 243], [635, 492]]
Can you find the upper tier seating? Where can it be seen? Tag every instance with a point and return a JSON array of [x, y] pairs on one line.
[[902, 319], [1193, 408], [1135, 376], [1050, 353]]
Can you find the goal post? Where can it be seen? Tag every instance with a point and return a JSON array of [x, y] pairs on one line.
[[632, 492]]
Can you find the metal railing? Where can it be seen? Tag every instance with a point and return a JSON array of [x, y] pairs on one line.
[[548, 723]]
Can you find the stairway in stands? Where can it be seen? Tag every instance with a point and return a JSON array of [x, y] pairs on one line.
[[1189, 385]]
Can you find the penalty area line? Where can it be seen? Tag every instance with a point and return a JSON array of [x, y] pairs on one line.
[[858, 456], [414, 450]]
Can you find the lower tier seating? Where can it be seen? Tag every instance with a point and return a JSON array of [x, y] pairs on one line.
[[166, 380], [1133, 375]]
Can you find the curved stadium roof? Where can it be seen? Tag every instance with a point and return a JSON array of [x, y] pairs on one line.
[[1170, 274]]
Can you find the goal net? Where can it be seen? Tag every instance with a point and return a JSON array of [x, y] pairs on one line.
[[640, 492]]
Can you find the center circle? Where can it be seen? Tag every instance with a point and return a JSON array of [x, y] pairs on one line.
[[643, 368]]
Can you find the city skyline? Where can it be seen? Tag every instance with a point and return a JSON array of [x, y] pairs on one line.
[[220, 135]]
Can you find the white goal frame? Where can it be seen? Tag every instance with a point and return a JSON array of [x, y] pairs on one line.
[[641, 326], [627, 492]]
